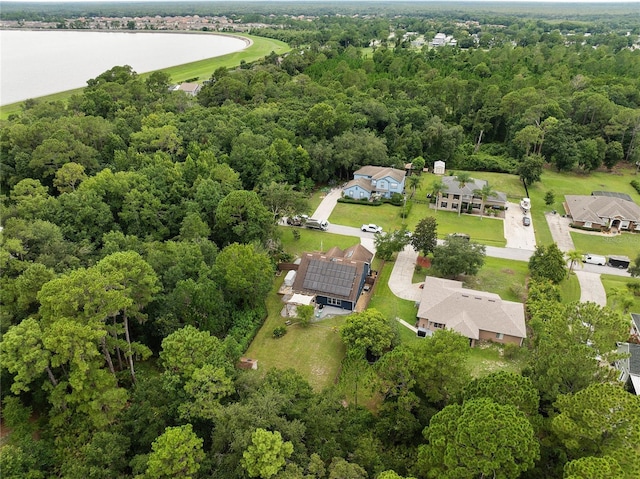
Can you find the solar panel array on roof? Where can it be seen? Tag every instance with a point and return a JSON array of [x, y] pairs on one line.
[[330, 277], [612, 194]]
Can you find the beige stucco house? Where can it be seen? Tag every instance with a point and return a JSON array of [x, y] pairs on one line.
[[603, 211], [454, 194]]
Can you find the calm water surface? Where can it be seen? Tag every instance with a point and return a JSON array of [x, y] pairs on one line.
[[36, 63]]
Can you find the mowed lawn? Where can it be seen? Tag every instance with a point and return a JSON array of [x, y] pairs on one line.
[[312, 240], [626, 244], [315, 351], [489, 231]]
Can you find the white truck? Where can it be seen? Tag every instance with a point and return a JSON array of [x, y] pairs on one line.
[[315, 224], [594, 259]]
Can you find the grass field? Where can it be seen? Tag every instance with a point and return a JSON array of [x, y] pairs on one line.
[[570, 289], [312, 240], [388, 303], [487, 231], [202, 69], [612, 284], [315, 351], [627, 244]]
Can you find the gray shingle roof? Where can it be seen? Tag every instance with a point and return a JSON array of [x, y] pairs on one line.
[[594, 208], [378, 172]]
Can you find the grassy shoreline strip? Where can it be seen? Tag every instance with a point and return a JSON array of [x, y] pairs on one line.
[[258, 48]]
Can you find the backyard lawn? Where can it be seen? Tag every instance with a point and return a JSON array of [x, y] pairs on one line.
[[315, 351], [388, 303]]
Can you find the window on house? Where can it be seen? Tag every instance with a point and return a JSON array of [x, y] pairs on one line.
[[351, 193], [443, 204], [454, 205], [456, 197], [334, 302], [587, 224], [438, 325], [362, 194], [394, 185], [499, 336]]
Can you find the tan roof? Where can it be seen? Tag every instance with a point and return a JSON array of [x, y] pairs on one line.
[[594, 208], [468, 311], [362, 183], [378, 172]]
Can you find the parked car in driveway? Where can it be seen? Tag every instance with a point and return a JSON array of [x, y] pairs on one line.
[[526, 221], [371, 228]]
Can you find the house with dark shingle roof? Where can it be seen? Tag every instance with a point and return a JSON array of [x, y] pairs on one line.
[[478, 315], [603, 211], [336, 278], [371, 181], [629, 366], [468, 195]]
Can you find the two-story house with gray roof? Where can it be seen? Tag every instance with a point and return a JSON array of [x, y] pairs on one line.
[[372, 181]]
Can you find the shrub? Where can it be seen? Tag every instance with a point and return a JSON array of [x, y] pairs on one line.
[[279, 331], [511, 351], [396, 199], [406, 209], [364, 202], [635, 185]]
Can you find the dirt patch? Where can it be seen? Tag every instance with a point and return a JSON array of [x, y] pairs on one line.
[[423, 262], [507, 271]]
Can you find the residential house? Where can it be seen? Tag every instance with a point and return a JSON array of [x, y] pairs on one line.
[[629, 366], [603, 210], [336, 278], [189, 88], [475, 314], [442, 39], [372, 181], [453, 195]]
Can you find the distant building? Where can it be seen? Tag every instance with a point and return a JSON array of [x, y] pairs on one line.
[[189, 88], [442, 39], [438, 167]]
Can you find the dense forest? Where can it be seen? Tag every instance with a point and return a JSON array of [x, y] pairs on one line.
[[139, 242]]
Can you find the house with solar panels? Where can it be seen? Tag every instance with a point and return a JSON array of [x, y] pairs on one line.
[[336, 278]]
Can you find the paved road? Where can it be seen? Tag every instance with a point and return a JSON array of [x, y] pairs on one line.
[[520, 246]]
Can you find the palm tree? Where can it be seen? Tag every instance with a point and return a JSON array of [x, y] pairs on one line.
[[463, 178], [485, 192], [574, 257], [413, 182], [437, 188]]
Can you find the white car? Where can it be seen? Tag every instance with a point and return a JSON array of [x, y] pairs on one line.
[[371, 228]]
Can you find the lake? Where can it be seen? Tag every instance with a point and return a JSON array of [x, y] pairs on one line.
[[38, 63]]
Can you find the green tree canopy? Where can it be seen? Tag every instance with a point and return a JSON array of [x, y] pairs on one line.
[[266, 454], [368, 331], [176, 453]]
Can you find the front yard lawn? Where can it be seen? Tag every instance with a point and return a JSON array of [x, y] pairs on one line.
[[626, 244], [312, 240]]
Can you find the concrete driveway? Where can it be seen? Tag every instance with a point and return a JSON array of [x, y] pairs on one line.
[[559, 227], [591, 288], [518, 236], [328, 203]]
